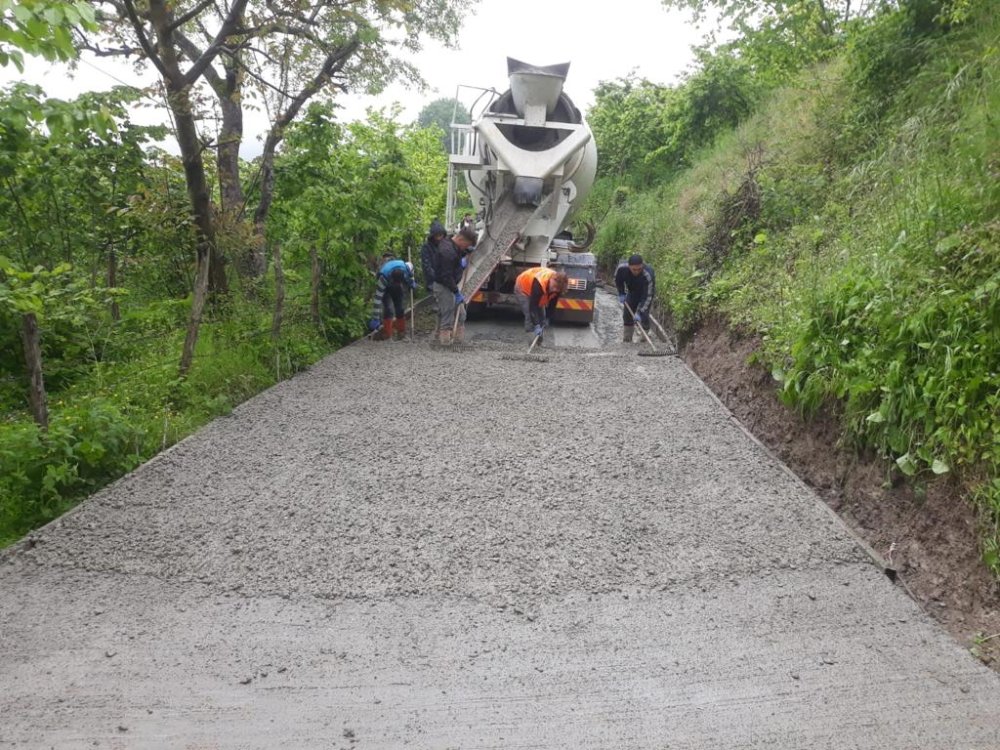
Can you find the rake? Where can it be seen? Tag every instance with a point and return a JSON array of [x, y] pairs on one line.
[[654, 352], [529, 357]]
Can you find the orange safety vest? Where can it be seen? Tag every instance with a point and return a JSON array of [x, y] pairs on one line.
[[544, 275]]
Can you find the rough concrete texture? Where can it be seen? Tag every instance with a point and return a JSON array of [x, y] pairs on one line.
[[409, 547]]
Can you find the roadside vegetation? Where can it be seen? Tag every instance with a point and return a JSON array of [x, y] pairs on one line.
[[831, 185], [140, 298]]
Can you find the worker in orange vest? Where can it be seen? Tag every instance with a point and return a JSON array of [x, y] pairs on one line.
[[537, 290]]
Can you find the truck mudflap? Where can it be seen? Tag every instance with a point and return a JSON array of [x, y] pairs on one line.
[[576, 305], [569, 308], [574, 310]]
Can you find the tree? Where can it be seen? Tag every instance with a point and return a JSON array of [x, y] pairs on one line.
[[346, 193], [41, 27], [281, 55], [277, 51], [628, 124], [442, 113], [827, 16]]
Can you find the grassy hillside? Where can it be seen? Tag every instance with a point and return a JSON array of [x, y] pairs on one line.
[[853, 223]]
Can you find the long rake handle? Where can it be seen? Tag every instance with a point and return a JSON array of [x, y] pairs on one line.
[[458, 311], [660, 329], [641, 329]]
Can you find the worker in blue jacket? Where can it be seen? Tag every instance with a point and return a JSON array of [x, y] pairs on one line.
[[388, 311], [636, 284]]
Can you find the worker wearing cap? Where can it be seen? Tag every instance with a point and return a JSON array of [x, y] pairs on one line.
[[636, 284], [537, 291], [388, 311], [450, 261]]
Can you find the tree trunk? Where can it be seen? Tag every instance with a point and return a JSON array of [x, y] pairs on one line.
[[197, 308], [230, 138], [201, 202], [334, 62], [113, 281], [266, 197], [279, 292], [218, 282], [229, 92], [179, 102], [314, 286], [33, 358]]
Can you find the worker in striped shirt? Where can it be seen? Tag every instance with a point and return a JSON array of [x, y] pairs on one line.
[[388, 312]]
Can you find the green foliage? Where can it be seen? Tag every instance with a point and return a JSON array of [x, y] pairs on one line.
[[41, 27], [353, 192], [99, 247], [130, 404], [441, 113], [627, 123], [41, 471], [868, 261], [650, 132], [67, 307]]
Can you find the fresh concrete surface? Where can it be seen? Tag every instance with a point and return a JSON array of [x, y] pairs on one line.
[[407, 547]]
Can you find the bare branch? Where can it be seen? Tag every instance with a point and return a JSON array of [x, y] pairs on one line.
[[264, 82], [302, 32], [144, 42], [228, 28], [99, 51], [266, 55], [189, 15], [335, 60], [193, 53]]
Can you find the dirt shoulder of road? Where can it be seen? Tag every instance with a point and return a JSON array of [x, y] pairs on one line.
[[928, 534]]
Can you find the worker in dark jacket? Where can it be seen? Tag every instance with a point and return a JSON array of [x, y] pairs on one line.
[[427, 251], [450, 261], [537, 291], [388, 311], [636, 284]]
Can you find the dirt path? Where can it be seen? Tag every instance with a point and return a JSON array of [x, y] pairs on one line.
[[406, 547]]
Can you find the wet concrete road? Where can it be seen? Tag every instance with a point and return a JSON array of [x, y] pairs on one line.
[[407, 547]]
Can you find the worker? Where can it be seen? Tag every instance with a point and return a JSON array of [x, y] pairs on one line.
[[450, 262], [537, 291], [636, 284], [427, 251], [388, 312]]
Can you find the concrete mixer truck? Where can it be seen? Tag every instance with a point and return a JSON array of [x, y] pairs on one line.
[[528, 160]]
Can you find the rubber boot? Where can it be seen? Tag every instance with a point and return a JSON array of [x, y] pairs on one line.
[[460, 334], [400, 329], [627, 334], [445, 338]]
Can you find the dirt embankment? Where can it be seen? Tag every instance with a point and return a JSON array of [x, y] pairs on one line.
[[927, 534]]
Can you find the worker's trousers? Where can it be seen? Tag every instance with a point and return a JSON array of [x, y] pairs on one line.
[[633, 302], [392, 302], [524, 302], [446, 308]]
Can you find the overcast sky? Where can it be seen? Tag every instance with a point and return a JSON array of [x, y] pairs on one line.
[[601, 41]]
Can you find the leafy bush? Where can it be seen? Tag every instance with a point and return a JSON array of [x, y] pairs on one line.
[[870, 270], [42, 472]]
